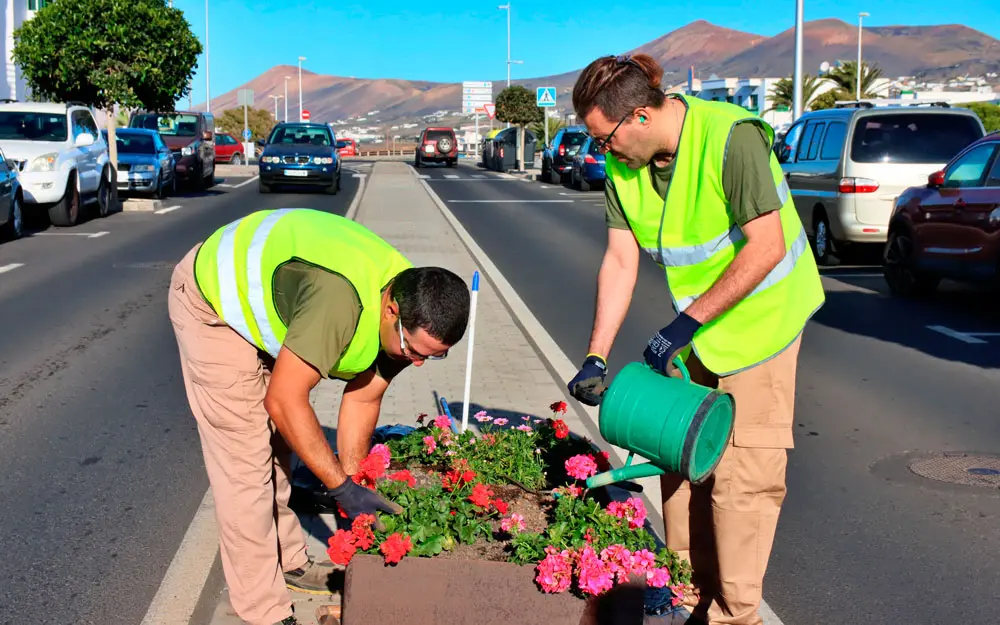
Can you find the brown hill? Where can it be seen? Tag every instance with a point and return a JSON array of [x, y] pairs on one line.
[[933, 52]]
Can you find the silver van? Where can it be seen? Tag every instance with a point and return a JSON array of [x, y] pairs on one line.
[[846, 166]]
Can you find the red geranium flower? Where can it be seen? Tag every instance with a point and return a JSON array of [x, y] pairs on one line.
[[342, 547], [481, 495], [558, 406], [454, 478], [562, 430], [364, 537], [404, 476], [500, 505], [395, 547]]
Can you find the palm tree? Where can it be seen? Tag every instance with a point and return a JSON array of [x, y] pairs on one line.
[[783, 92], [845, 77]]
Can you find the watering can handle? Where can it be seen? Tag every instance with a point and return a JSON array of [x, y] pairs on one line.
[[679, 363]]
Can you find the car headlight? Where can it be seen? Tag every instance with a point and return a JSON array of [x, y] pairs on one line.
[[188, 150], [323, 160], [270, 159], [144, 168], [45, 162]]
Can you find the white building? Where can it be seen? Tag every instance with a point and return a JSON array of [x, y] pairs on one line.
[[15, 13]]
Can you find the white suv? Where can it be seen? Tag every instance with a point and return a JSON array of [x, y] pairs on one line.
[[61, 156]]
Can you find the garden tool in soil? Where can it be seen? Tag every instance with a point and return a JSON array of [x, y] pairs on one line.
[[678, 425]]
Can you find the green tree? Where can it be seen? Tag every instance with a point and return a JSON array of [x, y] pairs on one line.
[[783, 91], [133, 53], [988, 113], [845, 77], [538, 128], [516, 105], [260, 122]]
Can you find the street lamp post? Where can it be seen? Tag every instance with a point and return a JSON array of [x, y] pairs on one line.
[[506, 7], [276, 98], [857, 93], [301, 58], [208, 80], [797, 78], [287, 78]]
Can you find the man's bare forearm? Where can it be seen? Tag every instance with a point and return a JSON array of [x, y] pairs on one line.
[[615, 283], [297, 422], [355, 426]]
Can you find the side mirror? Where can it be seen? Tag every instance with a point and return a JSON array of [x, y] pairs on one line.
[[207, 136], [935, 180], [84, 139]]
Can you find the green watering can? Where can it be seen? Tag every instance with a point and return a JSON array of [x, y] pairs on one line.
[[680, 426]]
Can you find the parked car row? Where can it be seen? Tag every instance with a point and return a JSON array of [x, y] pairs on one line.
[[573, 155]]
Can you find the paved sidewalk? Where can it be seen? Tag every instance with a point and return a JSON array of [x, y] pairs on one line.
[[508, 376]]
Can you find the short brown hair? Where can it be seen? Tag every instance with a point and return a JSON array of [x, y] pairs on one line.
[[617, 85]]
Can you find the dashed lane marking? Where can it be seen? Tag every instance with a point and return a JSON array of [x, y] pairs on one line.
[[164, 211], [10, 267]]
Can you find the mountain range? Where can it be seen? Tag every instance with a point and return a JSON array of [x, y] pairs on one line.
[[927, 52]]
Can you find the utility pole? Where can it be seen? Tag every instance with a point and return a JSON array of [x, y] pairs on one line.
[[301, 58], [506, 7], [797, 78], [208, 79], [275, 98], [287, 78], [857, 92]]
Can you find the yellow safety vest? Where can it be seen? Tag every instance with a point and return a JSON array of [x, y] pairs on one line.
[[692, 235], [235, 269]]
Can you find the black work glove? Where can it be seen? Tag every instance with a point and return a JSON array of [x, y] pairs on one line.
[[355, 499], [665, 344], [588, 385]]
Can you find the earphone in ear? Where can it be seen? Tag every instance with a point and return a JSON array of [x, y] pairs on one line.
[[642, 119]]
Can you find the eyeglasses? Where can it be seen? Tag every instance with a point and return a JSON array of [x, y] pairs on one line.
[[409, 352], [603, 145]]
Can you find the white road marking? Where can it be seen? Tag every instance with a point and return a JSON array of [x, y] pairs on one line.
[[178, 594], [479, 176], [222, 184], [557, 359], [423, 176], [542, 186], [98, 235], [852, 275], [245, 182], [955, 334], [510, 201], [89, 235], [352, 210], [10, 267], [166, 210], [451, 176]]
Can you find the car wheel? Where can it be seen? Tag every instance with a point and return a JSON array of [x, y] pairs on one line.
[[105, 195], [14, 227], [237, 159], [333, 188], [554, 177], [822, 240], [161, 188], [416, 162], [66, 212], [898, 270], [444, 145]]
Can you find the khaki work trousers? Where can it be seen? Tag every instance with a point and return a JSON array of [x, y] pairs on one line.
[[725, 526], [246, 459]]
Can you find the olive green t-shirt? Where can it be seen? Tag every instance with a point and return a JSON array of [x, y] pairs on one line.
[[746, 179], [321, 310]]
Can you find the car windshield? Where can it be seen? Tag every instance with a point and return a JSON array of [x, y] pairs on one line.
[[129, 143], [437, 135], [28, 126], [300, 135], [168, 125], [912, 138], [573, 141]]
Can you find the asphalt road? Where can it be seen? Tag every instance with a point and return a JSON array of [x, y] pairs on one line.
[[102, 464], [862, 539]]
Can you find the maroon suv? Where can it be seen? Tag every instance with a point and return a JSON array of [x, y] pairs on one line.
[[950, 227], [437, 145]]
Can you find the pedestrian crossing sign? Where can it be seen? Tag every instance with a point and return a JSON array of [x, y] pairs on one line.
[[545, 96]]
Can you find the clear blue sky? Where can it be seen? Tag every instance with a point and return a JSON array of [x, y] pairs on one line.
[[466, 40]]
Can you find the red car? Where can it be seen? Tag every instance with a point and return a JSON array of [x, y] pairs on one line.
[[436, 145], [228, 149], [949, 228], [350, 148]]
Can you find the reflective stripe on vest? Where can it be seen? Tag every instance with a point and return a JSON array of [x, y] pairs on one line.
[[694, 254], [232, 310], [781, 271]]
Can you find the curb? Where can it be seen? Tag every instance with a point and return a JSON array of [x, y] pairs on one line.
[[141, 205]]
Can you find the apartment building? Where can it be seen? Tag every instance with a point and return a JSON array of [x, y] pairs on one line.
[[14, 13]]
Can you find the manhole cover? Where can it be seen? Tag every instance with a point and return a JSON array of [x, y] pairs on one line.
[[971, 470]]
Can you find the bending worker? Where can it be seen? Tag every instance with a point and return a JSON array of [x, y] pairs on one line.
[[694, 184], [262, 310]]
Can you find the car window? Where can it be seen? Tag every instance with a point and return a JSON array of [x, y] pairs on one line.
[[29, 126], [301, 135], [168, 124], [573, 141], [814, 142], [833, 141], [88, 123], [135, 143], [994, 178], [802, 153], [912, 137], [789, 145], [437, 135], [969, 170]]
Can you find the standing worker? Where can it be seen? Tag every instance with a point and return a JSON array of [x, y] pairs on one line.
[[694, 184], [262, 310]]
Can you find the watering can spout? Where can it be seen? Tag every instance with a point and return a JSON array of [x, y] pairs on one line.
[[624, 474]]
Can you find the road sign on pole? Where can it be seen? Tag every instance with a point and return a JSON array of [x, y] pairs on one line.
[[305, 115], [244, 97], [475, 95], [247, 134], [545, 96], [490, 109]]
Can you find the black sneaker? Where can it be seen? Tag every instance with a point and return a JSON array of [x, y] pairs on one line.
[[289, 621], [313, 578]]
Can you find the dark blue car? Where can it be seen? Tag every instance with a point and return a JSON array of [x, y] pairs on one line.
[[145, 163], [300, 154], [588, 166]]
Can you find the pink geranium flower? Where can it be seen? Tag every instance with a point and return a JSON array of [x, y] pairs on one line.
[[581, 466], [382, 451], [500, 422], [631, 509], [430, 444], [514, 522], [593, 574], [658, 578], [555, 572], [525, 428], [442, 421]]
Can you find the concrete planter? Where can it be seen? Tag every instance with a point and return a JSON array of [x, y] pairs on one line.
[[433, 591]]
